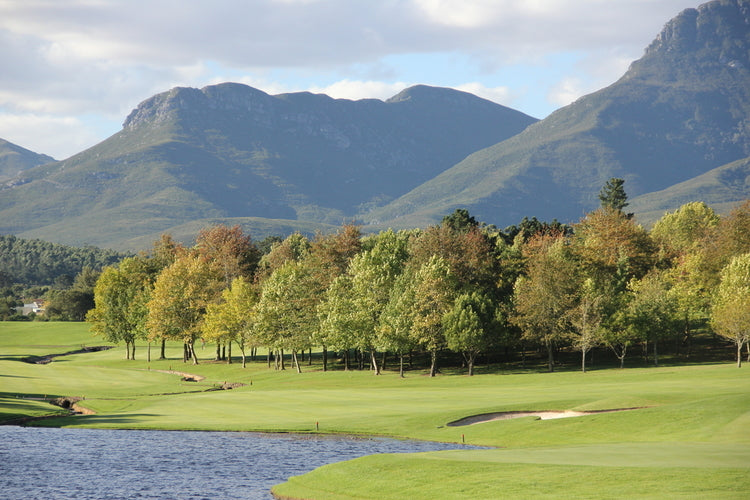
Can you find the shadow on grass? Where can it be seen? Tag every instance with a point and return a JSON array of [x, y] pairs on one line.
[[121, 421]]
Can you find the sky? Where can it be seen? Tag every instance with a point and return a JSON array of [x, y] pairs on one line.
[[72, 70]]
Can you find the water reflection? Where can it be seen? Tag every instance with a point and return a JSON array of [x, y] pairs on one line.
[[42, 463]]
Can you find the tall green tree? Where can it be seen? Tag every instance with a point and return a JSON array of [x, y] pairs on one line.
[[120, 295], [730, 316], [586, 318], [612, 194], [435, 289], [653, 310], [374, 273], [396, 321], [468, 326], [286, 314], [685, 229]]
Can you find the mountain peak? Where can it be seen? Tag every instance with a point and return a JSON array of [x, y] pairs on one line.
[[717, 32]]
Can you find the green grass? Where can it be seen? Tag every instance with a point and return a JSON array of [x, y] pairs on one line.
[[691, 437]]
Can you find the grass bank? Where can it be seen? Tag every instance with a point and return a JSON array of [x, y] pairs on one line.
[[690, 438]]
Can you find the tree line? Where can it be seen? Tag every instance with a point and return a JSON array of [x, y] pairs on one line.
[[64, 276], [460, 286]]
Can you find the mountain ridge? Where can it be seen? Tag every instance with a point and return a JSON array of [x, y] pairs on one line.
[[231, 151], [675, 114]]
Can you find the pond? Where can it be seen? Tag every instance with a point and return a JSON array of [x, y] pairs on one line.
[[45, 463]]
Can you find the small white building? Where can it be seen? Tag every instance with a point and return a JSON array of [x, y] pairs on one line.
[[36, 307]]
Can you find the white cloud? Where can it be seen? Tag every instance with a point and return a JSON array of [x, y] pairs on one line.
[[500, 95], [354, 90], [102, 57], [566, 91], [57, 136]]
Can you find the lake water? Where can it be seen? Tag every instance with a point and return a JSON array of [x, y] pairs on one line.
[[48, 463]]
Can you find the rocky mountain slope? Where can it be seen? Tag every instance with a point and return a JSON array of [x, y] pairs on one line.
[[678, 112]]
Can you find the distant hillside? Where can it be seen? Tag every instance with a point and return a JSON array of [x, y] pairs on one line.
[[15, 159], [36, 262], [722, 188], [229, 151], [678, 112]]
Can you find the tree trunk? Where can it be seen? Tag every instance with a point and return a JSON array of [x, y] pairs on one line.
[[739, 354], [192, 351], [148, 352], [433, 362], [309, 357], [281, 355], [656, 355], [401, 365], [583, 360], [184, 352], [229, 358], [470, 363], [346, 360], [374, 362], [296, 361], [218, 350], [325, 359], [382, 361], [242, 352], [550, 356], [162, 353], [127, 350]]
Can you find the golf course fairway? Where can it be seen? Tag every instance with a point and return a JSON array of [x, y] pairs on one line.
[[685, 432]]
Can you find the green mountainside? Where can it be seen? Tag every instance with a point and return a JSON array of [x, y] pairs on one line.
[[235, 154], [678, 112], [15, 159], [722, 188]]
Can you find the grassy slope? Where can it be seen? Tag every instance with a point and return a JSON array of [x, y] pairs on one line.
[[692, 438]]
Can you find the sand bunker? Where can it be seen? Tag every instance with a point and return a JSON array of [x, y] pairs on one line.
[[541, 415]]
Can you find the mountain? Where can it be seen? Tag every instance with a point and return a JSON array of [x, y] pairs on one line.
[[233, 153], [678, 112], [15, 159], [722, 188]]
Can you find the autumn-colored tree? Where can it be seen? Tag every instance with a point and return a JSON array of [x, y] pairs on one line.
[[330, 254], [612, 246], [467, 250], [181, 295], [233, 319], [295, 247], [230, 249], [546, 293]]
